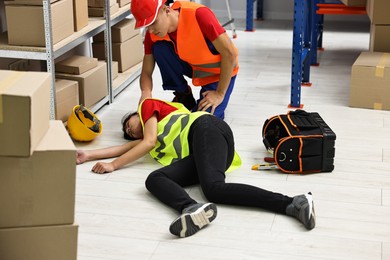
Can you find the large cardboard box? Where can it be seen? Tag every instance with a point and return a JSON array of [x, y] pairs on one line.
[[92, 84], [76, 64], [26, 23], [32, 2], [123, 2], [120, 32], [99, 3], [380, 38], [378, 11], [370, 81], [99, 11], [354, 2], [40, 189], [80, 14], [127, 54], [24, 111], [39, 243], [67, 97]]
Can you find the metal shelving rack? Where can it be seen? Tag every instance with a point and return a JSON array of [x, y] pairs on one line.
[[301, 49], [52, 51], [307, 39]]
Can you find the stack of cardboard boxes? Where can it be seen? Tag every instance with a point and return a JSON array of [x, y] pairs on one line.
[[370, 79], [127, 46], [379, 13], [90, 74], [25, 20], [38, 173], [96, 7]]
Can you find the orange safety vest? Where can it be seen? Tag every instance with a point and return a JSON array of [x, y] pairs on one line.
[[192, 47]]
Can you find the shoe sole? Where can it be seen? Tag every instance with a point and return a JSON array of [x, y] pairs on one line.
[[311, 216], [189, 223]]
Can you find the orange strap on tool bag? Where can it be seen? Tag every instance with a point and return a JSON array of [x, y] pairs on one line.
[[301, 142]]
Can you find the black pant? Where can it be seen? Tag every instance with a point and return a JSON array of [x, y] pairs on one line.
[[211, 152]]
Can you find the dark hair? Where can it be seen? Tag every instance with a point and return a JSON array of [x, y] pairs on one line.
[[126, 118]]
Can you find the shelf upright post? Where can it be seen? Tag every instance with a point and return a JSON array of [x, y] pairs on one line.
[[309, 12], [316, 32], [249, 16], [108, 51], [259, 9], [299, 51], [49, 55]]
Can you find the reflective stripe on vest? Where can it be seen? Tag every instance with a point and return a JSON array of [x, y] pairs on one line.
[[176, 142]]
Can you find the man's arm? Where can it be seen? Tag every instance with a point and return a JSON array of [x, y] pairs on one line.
[[228, 54], [146, 81]]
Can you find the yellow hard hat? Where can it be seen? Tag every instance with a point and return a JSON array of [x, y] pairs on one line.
[[83, 125]]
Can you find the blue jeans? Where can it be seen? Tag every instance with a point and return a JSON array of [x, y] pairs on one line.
[[173, 70]]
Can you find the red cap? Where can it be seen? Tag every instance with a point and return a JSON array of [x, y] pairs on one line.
[[145, 11]]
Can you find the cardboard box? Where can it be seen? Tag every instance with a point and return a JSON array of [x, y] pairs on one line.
[[380, 38], [67, 97], [76, 64], [26, 23], [120, 32], [24, 111], [370, 81], [378, 11], [123, 2], [99, 3], [32, 2], [80, 14], [115, 69], [39, 243], [92, 84], [40, 189], [354, 2], [127, 54], [99, 11]]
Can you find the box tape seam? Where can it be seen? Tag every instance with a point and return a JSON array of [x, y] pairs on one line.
[[380, 68]]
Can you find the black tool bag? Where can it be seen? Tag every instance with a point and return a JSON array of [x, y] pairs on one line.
[[301, 142]]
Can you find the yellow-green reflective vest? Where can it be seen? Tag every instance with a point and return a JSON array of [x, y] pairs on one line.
[[172, 136]]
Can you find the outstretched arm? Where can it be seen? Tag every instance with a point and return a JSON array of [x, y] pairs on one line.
[[127, 153], [110, 152]]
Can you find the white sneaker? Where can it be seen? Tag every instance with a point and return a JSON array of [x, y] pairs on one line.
[[193, 219]]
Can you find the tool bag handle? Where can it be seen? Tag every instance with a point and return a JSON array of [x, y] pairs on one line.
[[301, 120]]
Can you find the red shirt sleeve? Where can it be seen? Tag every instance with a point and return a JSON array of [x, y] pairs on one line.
[[158, 107], [148, 43], [208, 23]]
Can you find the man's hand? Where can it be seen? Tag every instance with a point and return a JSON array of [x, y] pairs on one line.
[[211, 98], [102, 167]]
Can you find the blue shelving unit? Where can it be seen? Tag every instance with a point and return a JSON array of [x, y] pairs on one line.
[[249, 13], [307, 39], [302, 49]]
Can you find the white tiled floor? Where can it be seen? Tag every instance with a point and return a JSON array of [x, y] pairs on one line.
[[119, 219]]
